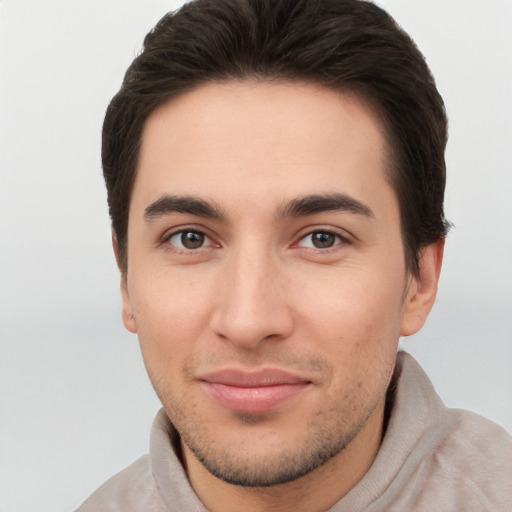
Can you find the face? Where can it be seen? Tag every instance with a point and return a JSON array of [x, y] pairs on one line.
[[266, 275]]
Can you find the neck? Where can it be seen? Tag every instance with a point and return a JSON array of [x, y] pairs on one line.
[[319, 490]]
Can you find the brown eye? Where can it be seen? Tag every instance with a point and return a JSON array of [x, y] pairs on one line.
[[320, 240], [189, 240], [323, 240]]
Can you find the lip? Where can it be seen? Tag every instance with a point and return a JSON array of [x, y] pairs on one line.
[[253, 392]]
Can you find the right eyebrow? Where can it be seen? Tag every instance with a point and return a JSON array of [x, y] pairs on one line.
[[182, 204]]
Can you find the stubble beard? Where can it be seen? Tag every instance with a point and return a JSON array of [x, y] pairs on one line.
[[328, 432], [325, 437], [267, 471]]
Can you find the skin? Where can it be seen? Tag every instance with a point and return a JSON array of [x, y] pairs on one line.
[[258, 291]]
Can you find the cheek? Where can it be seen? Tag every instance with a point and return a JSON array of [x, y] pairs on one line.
[[357, 303], [171, 313], [356, 322]]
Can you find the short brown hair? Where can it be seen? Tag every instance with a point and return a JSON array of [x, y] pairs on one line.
[[345, 45]]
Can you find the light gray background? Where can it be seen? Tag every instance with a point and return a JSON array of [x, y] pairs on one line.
[[75, 403]]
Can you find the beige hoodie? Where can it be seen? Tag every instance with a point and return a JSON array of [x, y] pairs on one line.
[[432, 459]]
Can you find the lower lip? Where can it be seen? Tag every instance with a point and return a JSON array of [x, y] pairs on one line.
[[255, 400]]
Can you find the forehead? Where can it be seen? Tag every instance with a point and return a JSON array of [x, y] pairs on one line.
[[235, 141]]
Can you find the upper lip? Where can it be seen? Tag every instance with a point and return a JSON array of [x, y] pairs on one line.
[[249, 379]]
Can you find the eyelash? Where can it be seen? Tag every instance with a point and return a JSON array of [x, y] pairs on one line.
[[166, 240], [339, 240]]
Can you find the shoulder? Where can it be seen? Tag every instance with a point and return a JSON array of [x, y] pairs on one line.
[[471, 466], [442, 459], [132, 489], [478, 447], [479, 435]]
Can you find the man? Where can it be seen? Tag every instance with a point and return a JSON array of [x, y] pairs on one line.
[[275, 174]]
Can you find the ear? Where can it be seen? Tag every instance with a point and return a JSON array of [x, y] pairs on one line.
[[422, 289], [127, 311]]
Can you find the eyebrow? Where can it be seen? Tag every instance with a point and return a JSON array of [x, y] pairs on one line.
[[299, 207], [168, 204], [320, 203]]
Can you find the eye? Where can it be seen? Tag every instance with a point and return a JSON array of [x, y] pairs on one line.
[[189, 240], [320, 240]]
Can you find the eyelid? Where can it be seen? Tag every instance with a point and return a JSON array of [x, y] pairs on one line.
[[165, 238], [343, 236]]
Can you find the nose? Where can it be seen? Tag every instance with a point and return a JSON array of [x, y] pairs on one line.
[[252, 304]]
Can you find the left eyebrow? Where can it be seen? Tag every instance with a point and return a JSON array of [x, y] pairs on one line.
[[320, 203]]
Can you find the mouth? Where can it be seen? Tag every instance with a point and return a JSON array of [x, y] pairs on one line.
[[253, 392]]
